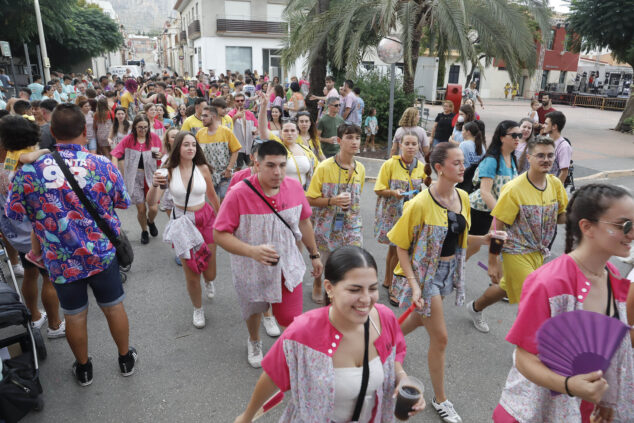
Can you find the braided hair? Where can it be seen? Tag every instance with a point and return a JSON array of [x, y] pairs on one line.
[[589, 202]]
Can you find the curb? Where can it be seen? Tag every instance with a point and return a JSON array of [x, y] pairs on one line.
[[608, 174]]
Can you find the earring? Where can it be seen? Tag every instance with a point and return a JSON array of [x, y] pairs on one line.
[[330, 296], [440, 173]]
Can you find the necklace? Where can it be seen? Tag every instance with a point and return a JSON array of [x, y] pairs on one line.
[[586, 270]]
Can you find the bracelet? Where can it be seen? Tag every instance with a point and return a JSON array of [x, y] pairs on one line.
[[566, 386], [155, 186], [328, 201]]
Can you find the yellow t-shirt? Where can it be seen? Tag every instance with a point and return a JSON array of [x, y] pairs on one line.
[[227, 122], [222, 134], [192, 122], [126, 99], [330, 174], [420, 211], [530, 213], [395, 169], [12, 161]]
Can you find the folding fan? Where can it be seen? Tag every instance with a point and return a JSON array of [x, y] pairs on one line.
[[579, 342]]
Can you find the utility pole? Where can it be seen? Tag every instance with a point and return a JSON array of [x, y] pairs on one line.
[[40, 30]]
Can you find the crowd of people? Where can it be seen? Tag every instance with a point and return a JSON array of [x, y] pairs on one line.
[[237, 161]]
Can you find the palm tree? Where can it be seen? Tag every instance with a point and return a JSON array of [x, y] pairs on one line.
[[496, 28]]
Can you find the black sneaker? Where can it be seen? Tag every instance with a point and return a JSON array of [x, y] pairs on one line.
[[83, 372], [153, 228], [145, 237], [127, 362]]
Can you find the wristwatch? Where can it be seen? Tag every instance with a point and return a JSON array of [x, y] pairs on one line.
[[314, 256]]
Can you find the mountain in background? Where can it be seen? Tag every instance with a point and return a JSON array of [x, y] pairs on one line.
[[143, 15]]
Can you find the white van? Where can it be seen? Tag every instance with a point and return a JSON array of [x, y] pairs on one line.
[[119, 71]]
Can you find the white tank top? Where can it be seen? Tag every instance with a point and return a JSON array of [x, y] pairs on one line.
[[178, 189], [347, 387], [295, 163]]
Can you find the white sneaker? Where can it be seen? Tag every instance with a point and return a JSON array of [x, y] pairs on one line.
[[199, 318], [210, 289], [60, 332], [270, 325], [18, 270], [254, 353], [446, 411], [478, 320], [40, 322]]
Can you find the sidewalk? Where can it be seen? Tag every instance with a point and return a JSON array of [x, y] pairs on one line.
[[596, 147]]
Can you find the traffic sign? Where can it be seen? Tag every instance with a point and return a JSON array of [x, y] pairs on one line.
[[6, 48]]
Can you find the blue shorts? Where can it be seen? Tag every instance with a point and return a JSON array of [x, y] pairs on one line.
[[442, 284], [106, 287], [222, 187]]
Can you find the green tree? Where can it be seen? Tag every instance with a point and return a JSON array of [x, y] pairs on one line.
[[74, 29], [499, 27], [605, 24]]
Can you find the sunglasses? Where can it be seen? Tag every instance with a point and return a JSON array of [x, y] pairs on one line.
[[335, 105], [626, 226], [516, 135]]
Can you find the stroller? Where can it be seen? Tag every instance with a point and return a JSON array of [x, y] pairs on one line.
[[20, 388]]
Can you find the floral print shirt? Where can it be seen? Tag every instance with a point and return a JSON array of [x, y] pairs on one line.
[[73, 246], [330, 180], [555, 288], [530, 214], [394, 174], [421, 231], [300, 361]]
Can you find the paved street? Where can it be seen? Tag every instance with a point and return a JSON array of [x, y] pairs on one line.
[[192, 375]]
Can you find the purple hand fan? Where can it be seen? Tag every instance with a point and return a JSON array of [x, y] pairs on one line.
[[579, 342]]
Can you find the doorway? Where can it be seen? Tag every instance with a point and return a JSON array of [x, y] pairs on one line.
[[272, 63]]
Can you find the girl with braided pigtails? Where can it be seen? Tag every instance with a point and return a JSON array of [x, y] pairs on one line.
[[598, 227]]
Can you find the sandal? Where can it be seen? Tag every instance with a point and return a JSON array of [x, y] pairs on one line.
[[393, 300]]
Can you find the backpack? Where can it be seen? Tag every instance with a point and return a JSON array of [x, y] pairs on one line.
[[570, 179]]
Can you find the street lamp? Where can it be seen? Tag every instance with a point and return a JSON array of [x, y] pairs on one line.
[[390, 51]]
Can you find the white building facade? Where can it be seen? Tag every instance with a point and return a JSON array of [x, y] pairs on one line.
[[229, 34]]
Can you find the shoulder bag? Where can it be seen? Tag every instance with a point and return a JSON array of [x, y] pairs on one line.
[[125, 254]]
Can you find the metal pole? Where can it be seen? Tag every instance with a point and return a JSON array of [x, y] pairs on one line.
[[391, 113], [29, 71], [40, 30], [38, 54], [15, 86]]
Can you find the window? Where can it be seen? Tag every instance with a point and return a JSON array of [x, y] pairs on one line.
[[551, 42], [274, 12], [368, 65], [238, 58], [238, 9], [197, 11], [562, 77], [454, 74]]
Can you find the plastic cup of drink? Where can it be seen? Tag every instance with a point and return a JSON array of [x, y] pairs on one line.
[[497, 241], [155, 151], [163, 173], [409, 393], [348, 196]]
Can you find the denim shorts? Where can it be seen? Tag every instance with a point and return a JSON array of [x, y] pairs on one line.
[[92, 144], [106, 287], [442, 284], [222, 187]]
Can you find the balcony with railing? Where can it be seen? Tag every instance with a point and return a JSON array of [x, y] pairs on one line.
[[193, 30], [251, 25]]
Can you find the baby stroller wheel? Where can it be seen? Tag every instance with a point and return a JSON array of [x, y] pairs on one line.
[[40, 347], [125, 268], [124, 277]]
